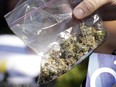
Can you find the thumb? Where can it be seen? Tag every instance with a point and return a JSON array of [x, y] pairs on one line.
[[87, 7]]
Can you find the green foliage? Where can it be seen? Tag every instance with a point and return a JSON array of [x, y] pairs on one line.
[[74, 77]]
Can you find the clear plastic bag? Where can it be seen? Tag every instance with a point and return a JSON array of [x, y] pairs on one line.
[[48, 27]]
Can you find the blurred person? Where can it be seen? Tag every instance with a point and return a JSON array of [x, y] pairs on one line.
[[20, 63]]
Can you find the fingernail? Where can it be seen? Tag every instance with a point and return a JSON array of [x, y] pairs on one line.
[[79, 13]]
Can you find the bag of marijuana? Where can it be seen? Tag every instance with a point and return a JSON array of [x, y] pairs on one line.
[[47, 26]]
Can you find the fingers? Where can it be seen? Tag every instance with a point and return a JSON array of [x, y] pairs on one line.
[[87, 7]]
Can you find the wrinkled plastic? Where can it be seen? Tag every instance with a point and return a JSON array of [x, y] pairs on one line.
[[48, 27]]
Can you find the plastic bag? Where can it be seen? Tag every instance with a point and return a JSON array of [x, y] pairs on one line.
[[47, 26]]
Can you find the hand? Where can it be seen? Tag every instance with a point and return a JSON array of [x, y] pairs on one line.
[[107, 9], [87, 7]]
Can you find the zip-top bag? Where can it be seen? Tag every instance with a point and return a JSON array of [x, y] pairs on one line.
[[48, 27]]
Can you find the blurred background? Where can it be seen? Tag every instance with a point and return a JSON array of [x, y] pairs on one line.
[[5, 7]]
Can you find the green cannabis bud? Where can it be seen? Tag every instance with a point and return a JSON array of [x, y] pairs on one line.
[[71, 50]]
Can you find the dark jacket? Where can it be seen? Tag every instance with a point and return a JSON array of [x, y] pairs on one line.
[[108, 12]]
